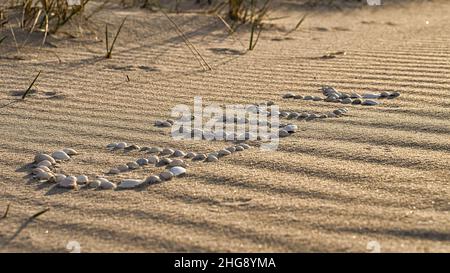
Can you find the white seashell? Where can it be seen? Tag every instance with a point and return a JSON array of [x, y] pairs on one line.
[[132, 147], [167, 175], [211, 158], [70, 182], [152, 179], [190, 155], [370, 96], [177, 171], [95, 184], [178, 153], [82, 179], [107, 185], [283, 133], [177, 162], [59, 177], [224, 152], [114, 171], [123, 168], [245, 146], [45, 176], [60, 155], [132, 165], [155, 150], [111, 146], [231, 149], [142, 161], [153, 159], [167, 151], [199, 157], [41, 157], [45, 163], [129, 183], [121, 145], [41, 169], [70, 151], [369, 102], [291, 128], [239, 148]]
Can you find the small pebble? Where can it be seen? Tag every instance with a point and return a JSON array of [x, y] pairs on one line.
[[288, 95], [245, 146], [298, 97], [167, 151], [144, 149], [164, 161], [308, 97], [291, 128], [370, 96], [121, 145], [152, 179], [59, 177], [283, 133], [70, 151], [178, 153], [129, 183], [369, 102], [94, 184], [45, 176], [211, 158], [132, 147], [153, 159], [142, 161], [41, 157], [132, 165], [82, 179], [395, 94], [177, 171], [123, 168], [44, 163], [199, 157], [177, 162], [153, 150], [111, 146], [60, 155], [357, 101], [115, 171], [224, 152], [347, 101], [293, 115], [231, 149], [239, 148], [316, 98], [70, 182], [107, 185], [167, 175], [190, 155]]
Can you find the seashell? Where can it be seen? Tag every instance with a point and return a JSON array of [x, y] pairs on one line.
[[70, 182], [145, 148], [60, 155], [129, 183], [165, 124], [45, 176], [40, 169], [297, 97], [121, 145], [293, 115], [332, 98], [44, 163], [291, 128], [216, 154], [338, 112], [370, 96], [178, 153], [111, 146], [132, 165], [142, 161], [288, 95], [190, 155], [41, 157], [347, 101], [355, 96], [357, 101], [164, 161], [316, 98], [308, 97], [107, 185], [115, 171], [167, 151], [284, 114], [303, 115], [153, 159], [394, 94], [283, 133], [231, 149], [331, 115], [224, 152], [369, 102], [199, 157], [212, 158], [385, 94], [344, 96], [177, 162], [153, 150], [59, 177], [123, 168], [245, 146], [167, 175], [132, 147], [313, 116], [239, 148], [177, 171], [70, 151], [95, 184], [171, 121], [152, 179], [323, 116], [270, 103], [82, 179]]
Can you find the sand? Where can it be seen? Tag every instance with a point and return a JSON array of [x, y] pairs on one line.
[[378, 174]]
